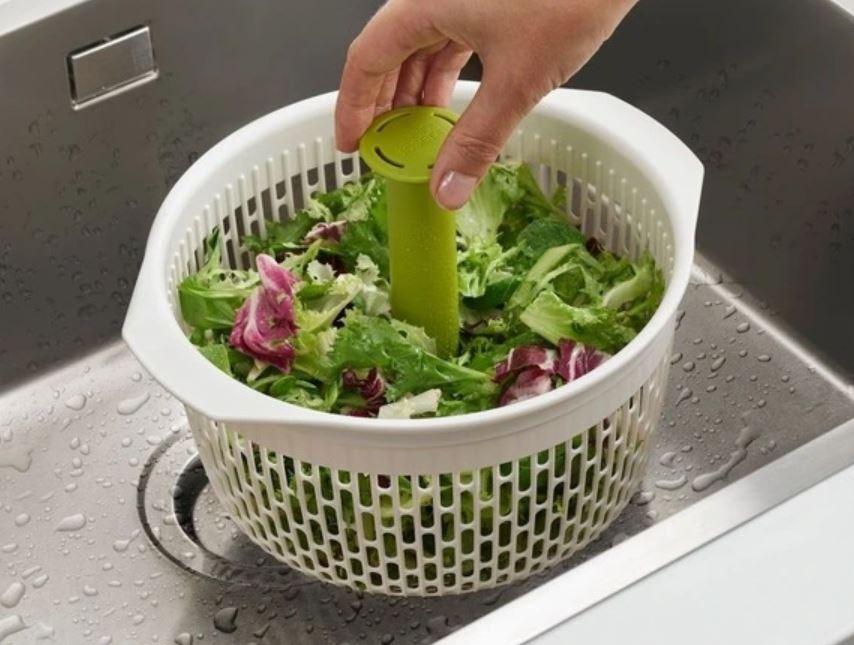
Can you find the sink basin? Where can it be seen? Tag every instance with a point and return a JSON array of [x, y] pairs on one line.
[[111, 533]]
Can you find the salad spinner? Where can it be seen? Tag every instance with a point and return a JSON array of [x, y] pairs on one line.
[[441, 505]]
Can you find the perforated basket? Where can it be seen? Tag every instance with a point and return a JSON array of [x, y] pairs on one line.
[[426, 506]]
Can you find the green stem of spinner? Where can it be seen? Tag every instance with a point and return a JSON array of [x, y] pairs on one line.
[[423, 262], [401, 146]]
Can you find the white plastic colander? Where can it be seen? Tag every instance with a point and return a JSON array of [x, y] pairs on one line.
[[425, 506]]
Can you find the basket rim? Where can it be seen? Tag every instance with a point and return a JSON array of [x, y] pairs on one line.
[[676, 174]]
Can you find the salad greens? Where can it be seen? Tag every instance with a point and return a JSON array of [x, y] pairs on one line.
[[311, 325], [419, 507]]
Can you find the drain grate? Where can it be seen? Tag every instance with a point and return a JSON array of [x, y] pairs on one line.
[[182, 518]]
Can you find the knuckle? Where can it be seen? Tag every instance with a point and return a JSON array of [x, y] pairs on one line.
[[354, 52], [477, 148]]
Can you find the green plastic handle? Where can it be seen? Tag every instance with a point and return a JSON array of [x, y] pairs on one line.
[[401, 146]]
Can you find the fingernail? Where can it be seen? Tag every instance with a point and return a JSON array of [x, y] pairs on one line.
[[455, 189]]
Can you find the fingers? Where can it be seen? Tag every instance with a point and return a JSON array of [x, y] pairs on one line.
[[397, 30], [478, 138], [443, 73], [385, 97], [411, 81]]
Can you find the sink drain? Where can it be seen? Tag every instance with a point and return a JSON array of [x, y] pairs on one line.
[[184, 520]]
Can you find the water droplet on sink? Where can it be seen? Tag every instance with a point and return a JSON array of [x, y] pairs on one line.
[[184, 639], [438, 625], [718, 363], [688, 366], [29, 572], [132, 405], [684, 394], [676, 358], [76, 402], [742, 327], [11, 625], [40, 581], [22, 519], [44, 632], [13, 594], [745, 438], [643, 497], [672, 484], [105, 640], [667, 459], [88, 590], [763, 358], [225, 620], [17, 457], [138, 619], [729, 311], [120, 546], [73, 522]]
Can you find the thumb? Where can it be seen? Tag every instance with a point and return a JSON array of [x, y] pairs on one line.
[[476, 141]]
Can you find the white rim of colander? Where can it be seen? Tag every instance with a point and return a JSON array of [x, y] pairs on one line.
[[670, 167]]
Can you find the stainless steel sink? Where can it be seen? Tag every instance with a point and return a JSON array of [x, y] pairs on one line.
[[110, 533]]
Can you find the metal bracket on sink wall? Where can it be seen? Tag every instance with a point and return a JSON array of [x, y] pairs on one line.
[[111, 66]]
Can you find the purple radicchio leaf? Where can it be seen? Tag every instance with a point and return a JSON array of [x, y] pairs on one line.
[[326, 231], [535, 368], [523, 357], [575, 360], [371, 387], [266, 320], [358, 412], [531, 382]]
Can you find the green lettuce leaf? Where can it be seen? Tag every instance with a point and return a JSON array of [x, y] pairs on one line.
[[479, 219], [363, 238], [281, 237], [638, 297], [319, 312], [218, 355], [634, 287], [299, 392], [595, 326], [355, 201], [210, 297], [481, 265], [365, 342], [542, 234]]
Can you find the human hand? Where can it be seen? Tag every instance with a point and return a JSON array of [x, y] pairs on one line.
[[412, 51]]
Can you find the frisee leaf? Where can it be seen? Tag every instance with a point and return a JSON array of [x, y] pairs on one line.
[[595, 326]]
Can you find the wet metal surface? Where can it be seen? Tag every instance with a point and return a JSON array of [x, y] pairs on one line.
[[110, 533]]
